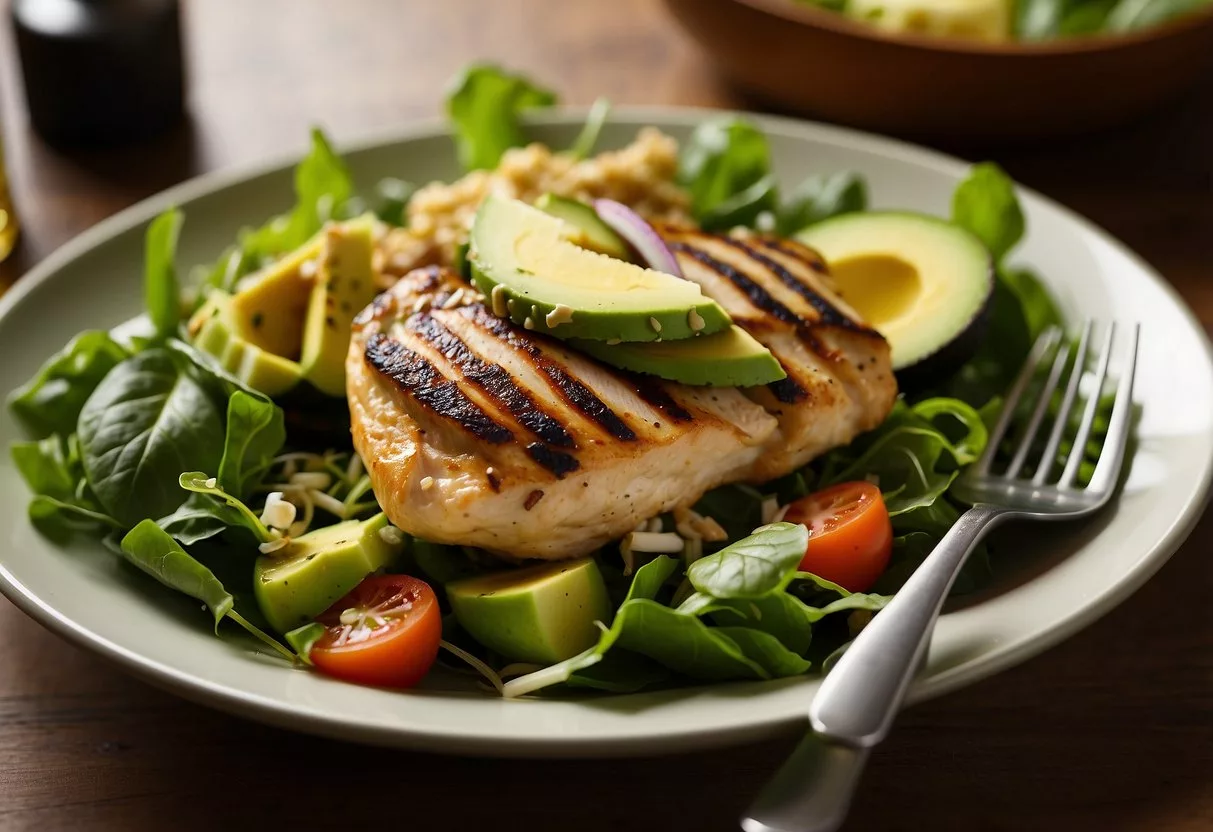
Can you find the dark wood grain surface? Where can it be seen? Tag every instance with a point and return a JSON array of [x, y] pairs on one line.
[[1113, 730]]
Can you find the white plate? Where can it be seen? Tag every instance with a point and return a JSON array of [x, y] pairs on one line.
[[1068, 577]]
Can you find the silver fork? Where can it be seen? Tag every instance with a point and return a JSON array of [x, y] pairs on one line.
[[856, 703]]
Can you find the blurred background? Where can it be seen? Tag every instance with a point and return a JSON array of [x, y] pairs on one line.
[[83, 746]]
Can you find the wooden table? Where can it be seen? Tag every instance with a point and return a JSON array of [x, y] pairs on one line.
[[1113, 730]]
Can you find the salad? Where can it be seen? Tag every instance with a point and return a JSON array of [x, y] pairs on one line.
[[1024, 20], [328, 435]]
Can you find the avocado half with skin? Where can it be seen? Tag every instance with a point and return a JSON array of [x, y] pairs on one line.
[[524, 262], [922, 282]]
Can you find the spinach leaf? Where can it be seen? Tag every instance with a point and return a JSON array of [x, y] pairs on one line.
[[43, 465], [985, 204], [726, 167], [394, 195], [584, 144], [821, 197], [737, 508], [255, 434], [483, 105], [753, 566], [1037, 305], [160, 295], [59, 519], [153, 551], [50, 402], [778, 613], [150, 548], [683, 643], [766, 651], [143, 425], [239, 514], [205, 369], [620, 672]]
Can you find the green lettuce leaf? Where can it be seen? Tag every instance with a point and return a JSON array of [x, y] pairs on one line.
[[483, 104]]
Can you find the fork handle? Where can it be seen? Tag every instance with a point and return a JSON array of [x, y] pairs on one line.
[[860, 697]]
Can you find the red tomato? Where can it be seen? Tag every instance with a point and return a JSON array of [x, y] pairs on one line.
[[850, 535], [385, 632]]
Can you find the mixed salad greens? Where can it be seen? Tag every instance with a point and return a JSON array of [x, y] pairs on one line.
[[1025, 20], [143, 439]]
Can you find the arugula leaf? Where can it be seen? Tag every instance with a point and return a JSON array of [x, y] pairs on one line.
[[154, 552], [726, 167], [322, 187], [255, 434], [985, 204], [483, 104], [821, 197], [584, 144], [160, 295], [241, 515], [301, 639], [50, 402], [143, 425], [394, 195], [753, 566]]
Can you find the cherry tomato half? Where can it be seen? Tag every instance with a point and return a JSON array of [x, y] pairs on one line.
[[385, 632], [850, 535]]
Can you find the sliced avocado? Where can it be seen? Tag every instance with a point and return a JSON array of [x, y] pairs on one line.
[[345, 283], [532, 274], [258, 368], [922, 282], [731, 358], [584, 227], [269, 306], [542, 614], [294, 585]]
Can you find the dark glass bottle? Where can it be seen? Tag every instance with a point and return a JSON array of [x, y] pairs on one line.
[[100, 71]]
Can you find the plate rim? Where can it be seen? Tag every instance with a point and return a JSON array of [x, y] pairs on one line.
[[421, 737]]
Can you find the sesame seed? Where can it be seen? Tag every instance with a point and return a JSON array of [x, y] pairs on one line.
[[212, 482], [307, 269], [656, 324], [695, 320], [454, 300], [427, 483], [613, 341], [528, 323], [561, 314]]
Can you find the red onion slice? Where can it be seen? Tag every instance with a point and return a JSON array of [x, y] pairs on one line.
[[639, 234]]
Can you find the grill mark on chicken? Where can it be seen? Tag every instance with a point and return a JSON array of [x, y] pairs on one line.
[[788, 391], [797, 250], [496, 383], [757, 295], [655, 394], [573, 391], [829, 314], [558, 462], [420, 379]]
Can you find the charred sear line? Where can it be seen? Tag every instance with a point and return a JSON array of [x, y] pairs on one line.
[[558, 462], [493, 380], [797, 250], [421, 380], [654, 393], [788, 391], [758, 296], [575, 393], [828, 312]]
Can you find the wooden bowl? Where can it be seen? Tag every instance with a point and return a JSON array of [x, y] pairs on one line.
[[816, 62]]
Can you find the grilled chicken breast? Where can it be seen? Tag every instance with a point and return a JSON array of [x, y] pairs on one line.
[[481, 433], [840, 380], [478, 432]]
